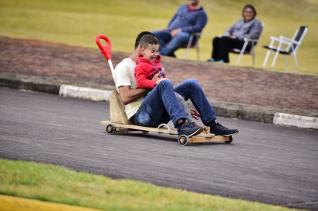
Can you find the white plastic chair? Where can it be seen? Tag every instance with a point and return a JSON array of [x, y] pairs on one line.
[[243, 51], [193, 43], [285, 46]]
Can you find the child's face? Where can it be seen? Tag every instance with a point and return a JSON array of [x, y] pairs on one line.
[[151, 52]]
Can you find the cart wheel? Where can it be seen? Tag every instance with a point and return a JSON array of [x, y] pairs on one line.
[[183, 140], [230, 140], [110, 129]]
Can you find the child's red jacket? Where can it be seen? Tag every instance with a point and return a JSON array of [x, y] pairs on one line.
[[145, 70]]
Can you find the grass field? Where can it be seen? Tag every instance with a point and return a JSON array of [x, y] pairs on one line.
[[61, 185], [77, 22]]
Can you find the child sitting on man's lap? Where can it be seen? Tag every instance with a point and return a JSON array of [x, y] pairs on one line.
[[148, 63]]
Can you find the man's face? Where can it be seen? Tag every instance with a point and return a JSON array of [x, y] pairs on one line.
[[194, 3], [151, 52]]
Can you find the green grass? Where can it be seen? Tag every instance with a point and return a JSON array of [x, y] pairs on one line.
[[77, 22], [61, 185]]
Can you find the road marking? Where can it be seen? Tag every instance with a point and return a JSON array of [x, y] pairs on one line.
[[295, 120], [84, 93]]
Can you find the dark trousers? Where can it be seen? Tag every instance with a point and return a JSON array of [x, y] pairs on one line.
[[223, 45]]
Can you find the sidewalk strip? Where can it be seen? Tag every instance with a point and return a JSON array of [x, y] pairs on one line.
[[9, 203], [84, 93], [295, 120]]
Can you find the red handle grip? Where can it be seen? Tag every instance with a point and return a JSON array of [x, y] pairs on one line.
[[106, 49]]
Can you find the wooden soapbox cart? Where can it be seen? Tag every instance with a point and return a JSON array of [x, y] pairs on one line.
[[119, 123]]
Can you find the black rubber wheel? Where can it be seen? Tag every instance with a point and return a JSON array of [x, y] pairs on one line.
[[183, 140], [230, 140], [110, 129]]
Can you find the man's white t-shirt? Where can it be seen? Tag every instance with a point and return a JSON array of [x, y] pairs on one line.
[[125, 76]]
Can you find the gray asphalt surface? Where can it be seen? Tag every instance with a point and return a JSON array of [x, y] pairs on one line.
[[265, 163]]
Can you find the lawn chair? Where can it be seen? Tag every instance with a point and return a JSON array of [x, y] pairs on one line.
[[245, 51], [285, 46], [193, 43]]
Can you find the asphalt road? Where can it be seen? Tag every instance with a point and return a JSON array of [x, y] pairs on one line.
[[265, 163]]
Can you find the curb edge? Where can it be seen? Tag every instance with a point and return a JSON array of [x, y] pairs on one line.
[[224, 109]]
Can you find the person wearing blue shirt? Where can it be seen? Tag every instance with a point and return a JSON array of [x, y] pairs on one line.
[[189, 18], [248, 27]]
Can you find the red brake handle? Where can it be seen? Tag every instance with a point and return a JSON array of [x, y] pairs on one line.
[[106, 50]]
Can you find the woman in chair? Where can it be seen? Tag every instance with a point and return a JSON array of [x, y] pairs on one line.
[[248, 27]]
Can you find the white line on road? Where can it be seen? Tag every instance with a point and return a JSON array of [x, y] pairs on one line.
[[295, 120], [84, 93]]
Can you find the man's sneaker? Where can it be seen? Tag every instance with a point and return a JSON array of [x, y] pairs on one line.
[[220, 130], [188, 129]]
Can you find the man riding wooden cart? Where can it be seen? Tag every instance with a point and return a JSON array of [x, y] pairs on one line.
[[146, 111]]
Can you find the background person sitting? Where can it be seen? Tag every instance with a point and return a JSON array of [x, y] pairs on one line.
[[248, 27], [190, 18]]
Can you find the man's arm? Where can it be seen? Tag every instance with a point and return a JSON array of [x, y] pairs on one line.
[[173, 18], [123, 83], [129, 95]]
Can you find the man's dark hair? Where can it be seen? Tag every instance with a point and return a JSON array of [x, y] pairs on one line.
[[148, 40], [250, 6], [140, 35]]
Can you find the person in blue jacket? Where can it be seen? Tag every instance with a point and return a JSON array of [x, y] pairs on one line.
[[189, 18]]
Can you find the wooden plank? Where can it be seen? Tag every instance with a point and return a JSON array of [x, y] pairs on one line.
[[172, 131], [214, 139], [203, 137], [141, 128], [116, 107]]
